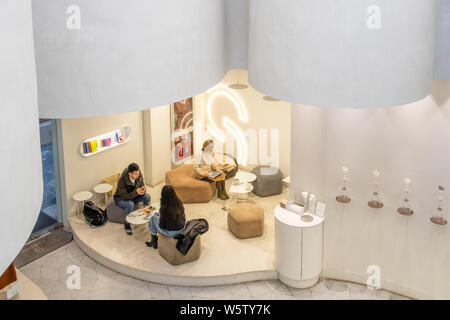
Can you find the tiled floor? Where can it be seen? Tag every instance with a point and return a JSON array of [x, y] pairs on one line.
[[98, 282]]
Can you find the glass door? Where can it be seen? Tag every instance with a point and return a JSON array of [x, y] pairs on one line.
[[50, 216]]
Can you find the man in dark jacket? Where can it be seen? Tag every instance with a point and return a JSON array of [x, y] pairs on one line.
[[131, 190]]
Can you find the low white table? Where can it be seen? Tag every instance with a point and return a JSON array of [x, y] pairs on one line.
[[139, 221], [81, 197], [103, 188], [298, 248], [235, 191], [244, 176]]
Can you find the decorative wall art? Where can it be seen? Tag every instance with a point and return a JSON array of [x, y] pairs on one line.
[[343, 196], [182, 129], [405, 206], [438, 217], [105, 141], [375, 202]]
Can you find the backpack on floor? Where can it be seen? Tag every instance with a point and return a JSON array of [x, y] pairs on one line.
[[93, 215]]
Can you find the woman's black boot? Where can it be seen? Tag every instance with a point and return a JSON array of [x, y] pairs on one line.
[[153, 243]]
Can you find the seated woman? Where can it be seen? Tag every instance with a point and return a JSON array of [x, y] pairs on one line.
[[207, 162], [170, 220]]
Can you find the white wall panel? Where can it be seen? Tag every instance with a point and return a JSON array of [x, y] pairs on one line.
[[237, 33], [127, 55], [443, 41], [410, 141], [21, 187], [321, 52]]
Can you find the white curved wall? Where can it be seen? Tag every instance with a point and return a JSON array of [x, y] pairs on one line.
[[21, 187], [127, 55], [236, 28], [404, 141], [320, 52], [443, 41]]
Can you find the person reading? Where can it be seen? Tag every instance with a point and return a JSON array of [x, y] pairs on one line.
[[130, 191], [170, 220], [207, 167]]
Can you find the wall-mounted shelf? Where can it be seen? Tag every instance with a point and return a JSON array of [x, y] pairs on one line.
[[105, 141]]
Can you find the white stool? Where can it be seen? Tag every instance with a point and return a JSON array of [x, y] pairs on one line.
[[81, 197], [103, 188]]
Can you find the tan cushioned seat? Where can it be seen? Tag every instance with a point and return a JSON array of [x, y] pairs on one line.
[[112, 180], [167, 248], [187, 187], [246, 220]]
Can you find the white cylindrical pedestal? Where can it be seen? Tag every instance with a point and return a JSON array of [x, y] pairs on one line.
[[298, 248]]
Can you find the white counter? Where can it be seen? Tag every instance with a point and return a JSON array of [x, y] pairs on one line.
[[298, 248]]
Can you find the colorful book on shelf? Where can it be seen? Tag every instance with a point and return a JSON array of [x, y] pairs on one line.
[[94, 144]]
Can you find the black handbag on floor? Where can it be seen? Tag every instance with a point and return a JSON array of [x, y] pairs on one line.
[[93, 215]]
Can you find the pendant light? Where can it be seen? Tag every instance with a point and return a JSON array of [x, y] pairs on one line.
[[237, 85]]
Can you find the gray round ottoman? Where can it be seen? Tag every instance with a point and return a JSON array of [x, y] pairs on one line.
[[268, 181]]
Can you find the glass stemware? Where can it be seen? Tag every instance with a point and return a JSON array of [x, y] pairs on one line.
[[375, 202], [405, 208], [438, 217], [343, 195]]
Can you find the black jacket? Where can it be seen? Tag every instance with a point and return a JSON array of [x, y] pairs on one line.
[[186, 238], [125, 189]]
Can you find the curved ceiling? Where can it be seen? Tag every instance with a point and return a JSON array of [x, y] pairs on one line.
[[132, 55], [334, 53]]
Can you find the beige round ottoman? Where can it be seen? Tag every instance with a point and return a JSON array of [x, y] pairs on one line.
[[246, 220], [167, 248]]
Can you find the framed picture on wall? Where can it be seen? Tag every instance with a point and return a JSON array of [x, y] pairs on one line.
[[182, 147], [182, 129], [182, 116]]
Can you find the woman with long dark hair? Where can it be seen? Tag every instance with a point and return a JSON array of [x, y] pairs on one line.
[[170, 220]]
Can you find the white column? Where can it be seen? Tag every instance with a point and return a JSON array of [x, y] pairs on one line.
[[21, 187]]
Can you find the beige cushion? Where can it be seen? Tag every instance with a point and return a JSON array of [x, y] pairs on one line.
[[187, 187], [112, 180], [246, 220], [167, 248]]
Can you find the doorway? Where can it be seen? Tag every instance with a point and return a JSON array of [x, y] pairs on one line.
[[50, 215]]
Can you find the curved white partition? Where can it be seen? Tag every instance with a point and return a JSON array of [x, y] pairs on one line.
[[331, 52], [442, 62], [236, 28], [405, 141], [21, 187], [125, 56]]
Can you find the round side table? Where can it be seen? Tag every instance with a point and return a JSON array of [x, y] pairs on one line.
[[245, 176], [103, 188], [298, 247], [139, 223], [81, 197]]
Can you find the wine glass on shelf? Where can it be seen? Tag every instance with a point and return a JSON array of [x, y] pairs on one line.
[[375, 202], [405, 208], [438, 217], [343, 195]]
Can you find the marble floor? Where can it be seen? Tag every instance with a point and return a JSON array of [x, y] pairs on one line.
[[97, 282]]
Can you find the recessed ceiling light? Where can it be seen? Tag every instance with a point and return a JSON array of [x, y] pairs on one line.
[[269, 98], [238, 86]]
